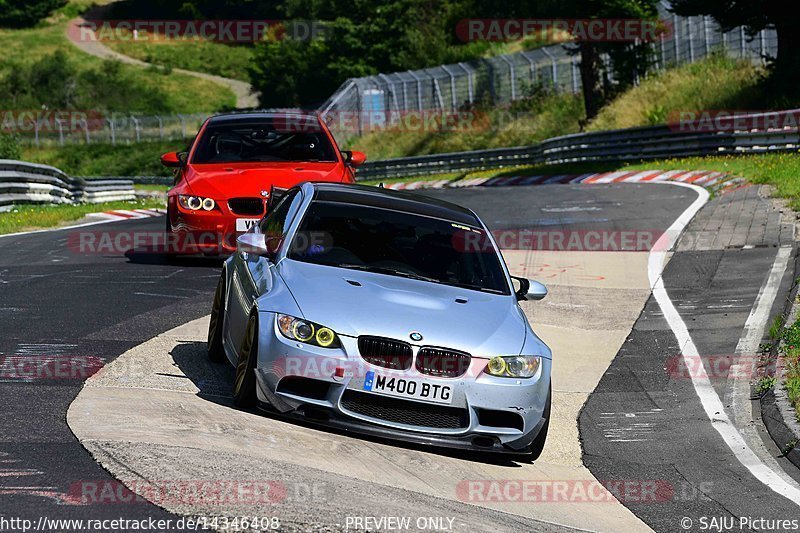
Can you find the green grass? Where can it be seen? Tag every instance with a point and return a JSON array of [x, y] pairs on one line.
[[780, 170], [716, 83], [791, 355], [93, 84], [527, 122], [29, 217], [142, 159], [220, 59]]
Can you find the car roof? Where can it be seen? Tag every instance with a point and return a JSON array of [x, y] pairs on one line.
[[259, 115], [396, 200]]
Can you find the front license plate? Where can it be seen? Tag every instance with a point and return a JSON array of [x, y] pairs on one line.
[[408, 388], [244, 224]]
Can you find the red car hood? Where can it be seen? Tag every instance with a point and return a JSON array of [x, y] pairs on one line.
[[221, 181]]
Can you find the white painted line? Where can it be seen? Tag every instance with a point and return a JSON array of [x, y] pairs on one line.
[[713, 406], [747, 349]]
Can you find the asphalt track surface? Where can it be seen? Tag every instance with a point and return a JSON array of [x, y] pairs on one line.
[[57, 302]]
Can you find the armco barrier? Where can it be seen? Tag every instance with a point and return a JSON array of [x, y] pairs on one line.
[[646, 143], [22, 182]]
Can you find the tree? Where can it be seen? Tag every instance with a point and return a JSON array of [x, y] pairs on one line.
[[626, 58], [24, 13], [756, 15]]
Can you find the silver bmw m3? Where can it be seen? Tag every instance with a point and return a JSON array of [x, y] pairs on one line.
[[384, 313]]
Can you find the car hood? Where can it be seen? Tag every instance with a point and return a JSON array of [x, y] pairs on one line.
[[358, 303], [222, 181]]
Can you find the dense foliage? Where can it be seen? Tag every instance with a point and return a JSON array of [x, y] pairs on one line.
[[23, 13]]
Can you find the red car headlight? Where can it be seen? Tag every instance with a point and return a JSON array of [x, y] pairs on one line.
[[196, 203]]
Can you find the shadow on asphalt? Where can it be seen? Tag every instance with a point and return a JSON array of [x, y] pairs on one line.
[[147, 257], [215, 383]]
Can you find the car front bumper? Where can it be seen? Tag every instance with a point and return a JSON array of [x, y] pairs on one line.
[[326, 386]]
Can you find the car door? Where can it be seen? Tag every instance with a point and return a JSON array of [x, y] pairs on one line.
[[252, 275]]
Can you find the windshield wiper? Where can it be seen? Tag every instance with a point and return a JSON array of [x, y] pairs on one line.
[[473, 287], [389, 271]]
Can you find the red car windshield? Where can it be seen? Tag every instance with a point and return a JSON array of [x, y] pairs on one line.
[[273, 139]]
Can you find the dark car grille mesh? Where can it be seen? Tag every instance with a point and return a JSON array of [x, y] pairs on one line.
[[404, 412], [442, 363], [246, 206], [387, 353]]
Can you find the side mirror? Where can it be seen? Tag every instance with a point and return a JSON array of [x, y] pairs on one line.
[[252, 243], [171, 160], [354, 159], [529, 289]]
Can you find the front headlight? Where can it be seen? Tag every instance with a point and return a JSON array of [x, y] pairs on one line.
[[515, 366], [196, 203], [301, 330]]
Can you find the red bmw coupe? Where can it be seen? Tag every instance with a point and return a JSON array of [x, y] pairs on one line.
[[237, 166]]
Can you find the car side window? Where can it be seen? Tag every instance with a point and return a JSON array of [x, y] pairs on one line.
[[277, 222]]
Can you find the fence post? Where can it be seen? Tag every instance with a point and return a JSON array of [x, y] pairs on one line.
[[136, 128], [113, 131], [453, 97], [691, 40], [469, 82], [160, 127], [60, 132], [742, 47], [36, 132], [86, 130], [419, 89], [575, 89], [183, 125], [676, 40], [553, 67], [706, 44], [513, 76]]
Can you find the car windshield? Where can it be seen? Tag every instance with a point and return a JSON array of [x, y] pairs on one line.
[[297, 139], [400, 244]]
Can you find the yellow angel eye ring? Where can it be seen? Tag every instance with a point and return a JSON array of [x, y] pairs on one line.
[[497, 366], [325, 337]]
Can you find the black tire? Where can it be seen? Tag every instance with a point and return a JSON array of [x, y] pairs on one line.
[[244, 386], [537, 446], [216, 352]]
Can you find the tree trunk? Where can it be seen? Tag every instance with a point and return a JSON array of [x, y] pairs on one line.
[[593, 97], [787, 64]]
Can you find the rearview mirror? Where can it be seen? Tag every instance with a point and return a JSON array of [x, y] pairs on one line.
[[529, 289]]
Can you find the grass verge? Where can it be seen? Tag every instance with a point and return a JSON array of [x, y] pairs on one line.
[[44, 68], [30, 217], [716, 83], [791, 355], [141, 159]]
